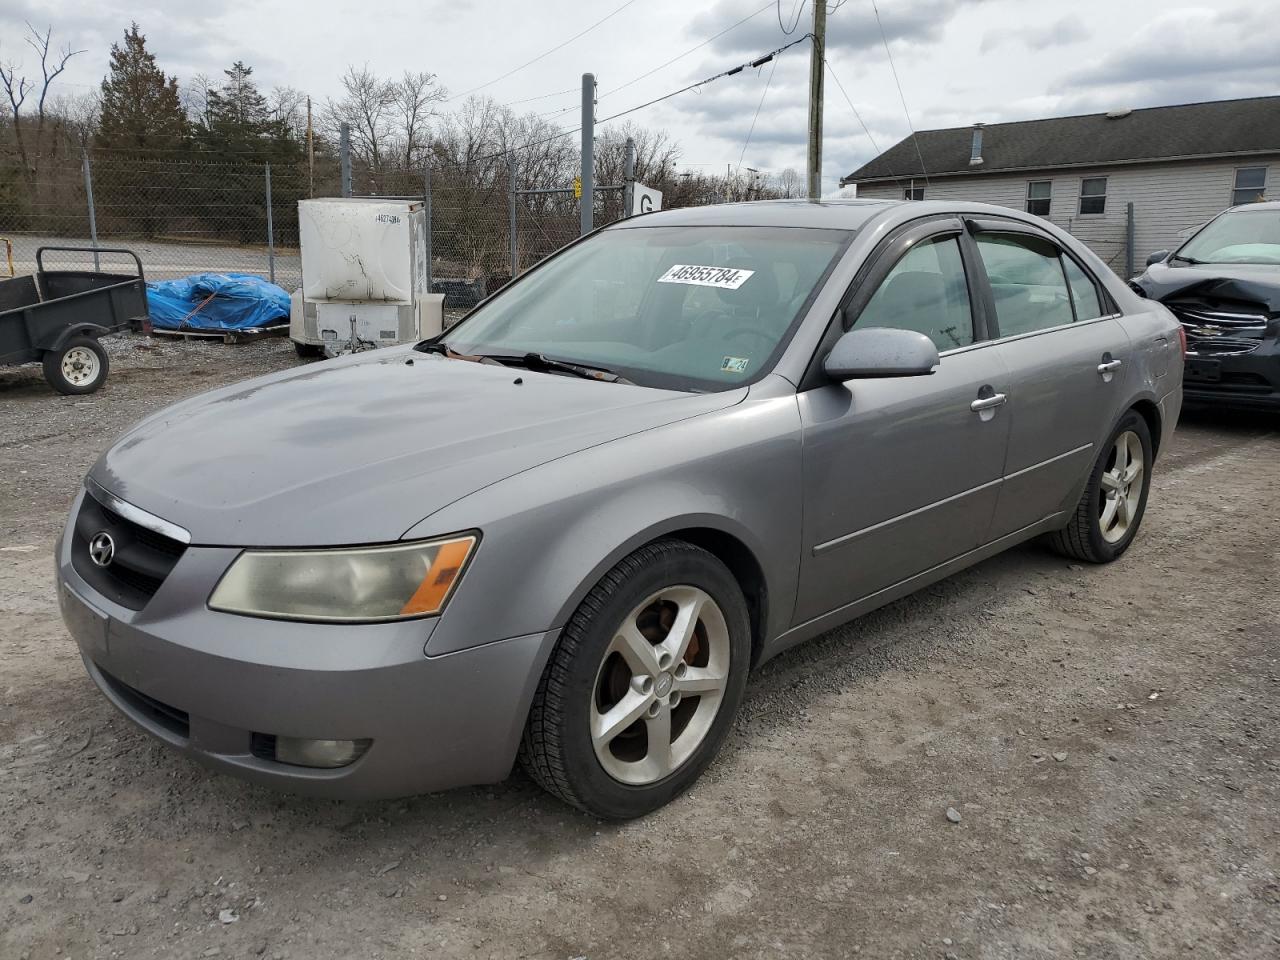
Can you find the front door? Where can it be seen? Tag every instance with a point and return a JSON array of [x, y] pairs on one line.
[[1067, 357], [902, 474]]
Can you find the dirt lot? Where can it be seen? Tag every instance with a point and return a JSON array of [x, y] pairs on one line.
[[1109, 736]]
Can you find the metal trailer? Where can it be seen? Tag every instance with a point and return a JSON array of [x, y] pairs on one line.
[[58, 316]]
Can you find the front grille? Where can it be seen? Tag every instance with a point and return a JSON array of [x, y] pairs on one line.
[[1221, 330], [142, 560], [161, 714]]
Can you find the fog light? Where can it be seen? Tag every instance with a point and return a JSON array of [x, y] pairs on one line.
[[302, 752]]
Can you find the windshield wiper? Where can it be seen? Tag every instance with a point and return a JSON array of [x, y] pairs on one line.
[[543, 364], [1185, 259], [444, 350]]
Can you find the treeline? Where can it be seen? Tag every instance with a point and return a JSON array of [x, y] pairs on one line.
[[186, 161]]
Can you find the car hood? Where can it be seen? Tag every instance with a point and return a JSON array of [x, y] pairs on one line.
[[358, 450], [1254, 283]]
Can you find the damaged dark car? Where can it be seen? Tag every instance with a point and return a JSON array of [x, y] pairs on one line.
[[1223, 285]]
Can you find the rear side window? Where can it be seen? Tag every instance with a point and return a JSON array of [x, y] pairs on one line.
[[1027, 282], [926, 292], [1083, 293]]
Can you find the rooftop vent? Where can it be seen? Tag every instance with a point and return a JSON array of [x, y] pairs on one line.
[[975, 155], [1118, 113]]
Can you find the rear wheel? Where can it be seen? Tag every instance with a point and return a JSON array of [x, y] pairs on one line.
[[1115, 499], [643, 684], [79, 366]]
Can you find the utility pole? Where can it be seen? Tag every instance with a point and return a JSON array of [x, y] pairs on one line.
[[588, 151], [817, 61]]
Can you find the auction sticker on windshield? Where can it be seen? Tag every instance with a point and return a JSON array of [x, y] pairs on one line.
[[726, 278]]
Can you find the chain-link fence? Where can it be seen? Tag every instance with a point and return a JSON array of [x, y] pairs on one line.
[[191, 215]]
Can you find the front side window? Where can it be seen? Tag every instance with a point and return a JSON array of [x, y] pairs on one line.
[[1039, 197], [686, 308], [926, 291], [1250, 185], [1237, 236], [1093, 195], [1027, 282]]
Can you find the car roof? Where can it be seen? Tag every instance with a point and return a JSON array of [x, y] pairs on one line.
[[1258, 206], [838, 214], [831, 214]]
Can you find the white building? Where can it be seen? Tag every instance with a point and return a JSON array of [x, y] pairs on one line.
[[1178, 166]]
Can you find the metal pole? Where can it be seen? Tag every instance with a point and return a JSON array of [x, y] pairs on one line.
[[93, 219], [588, 151], [511, 212], [271, 236], [629, 178], [817, 54], [311, 154], [426, 207], [344, 156], [1128, 240]]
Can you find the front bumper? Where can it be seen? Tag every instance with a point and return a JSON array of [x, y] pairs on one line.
[[206, 683], [1246, 380]]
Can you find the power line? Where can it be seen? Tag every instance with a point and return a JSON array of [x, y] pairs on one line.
[[797, 10], [544, 55], [858, 116], [649, 73], [901, 96], [757, 62], [764, 93]]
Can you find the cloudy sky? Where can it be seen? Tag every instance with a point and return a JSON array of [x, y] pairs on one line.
[[959, 61]]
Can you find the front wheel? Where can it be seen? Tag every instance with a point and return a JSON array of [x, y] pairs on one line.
[[643, 684], [79, 366], [1115, 498]]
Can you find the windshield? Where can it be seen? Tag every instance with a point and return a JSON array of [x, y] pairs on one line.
[[687, 308], [1241, 236]]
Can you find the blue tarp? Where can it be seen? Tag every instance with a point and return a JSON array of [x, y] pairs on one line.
[[216, 301]]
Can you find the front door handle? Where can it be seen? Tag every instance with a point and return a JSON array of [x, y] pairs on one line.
[[988, 403], [1110, 366]]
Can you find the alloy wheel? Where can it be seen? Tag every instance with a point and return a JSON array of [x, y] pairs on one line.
[[660, 685], [1121, 488]]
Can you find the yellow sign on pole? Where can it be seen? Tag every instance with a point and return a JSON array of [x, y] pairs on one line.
[[577, 188]]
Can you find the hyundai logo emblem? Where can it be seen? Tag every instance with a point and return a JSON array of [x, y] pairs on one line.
[[102, 549]]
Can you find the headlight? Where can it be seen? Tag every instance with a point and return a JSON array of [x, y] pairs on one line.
[[364, 583]]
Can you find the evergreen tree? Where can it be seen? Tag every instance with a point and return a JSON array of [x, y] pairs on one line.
[[141, 110]]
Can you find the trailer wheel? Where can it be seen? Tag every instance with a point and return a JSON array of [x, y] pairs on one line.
[[80, 366]]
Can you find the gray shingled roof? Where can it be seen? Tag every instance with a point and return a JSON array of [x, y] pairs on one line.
[[1156, 133]]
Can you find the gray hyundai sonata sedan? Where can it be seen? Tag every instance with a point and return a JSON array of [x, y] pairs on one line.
[[565, 531]]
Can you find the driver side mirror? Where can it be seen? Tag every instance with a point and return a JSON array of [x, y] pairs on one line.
[[881, 352], [1158, 257]]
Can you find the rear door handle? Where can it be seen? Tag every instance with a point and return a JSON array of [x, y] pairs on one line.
[[987, 403], [1111, 366]]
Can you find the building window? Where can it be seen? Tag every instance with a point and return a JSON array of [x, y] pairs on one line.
[[1250, 185], [1039, 197], [1093, 195], [913, 193]]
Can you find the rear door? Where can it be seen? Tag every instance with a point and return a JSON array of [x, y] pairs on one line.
[[1066, 352], [902, 473]]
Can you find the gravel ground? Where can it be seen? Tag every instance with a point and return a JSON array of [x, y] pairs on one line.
[[1032, 759]]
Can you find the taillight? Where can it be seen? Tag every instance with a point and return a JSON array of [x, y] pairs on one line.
[[1182, 340]]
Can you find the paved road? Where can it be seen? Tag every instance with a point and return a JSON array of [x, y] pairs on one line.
[[820, 832]]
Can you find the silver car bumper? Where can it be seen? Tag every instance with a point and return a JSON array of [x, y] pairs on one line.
[[215, 686]]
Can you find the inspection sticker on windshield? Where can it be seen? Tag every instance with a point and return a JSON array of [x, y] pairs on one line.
[[726, 278], [735, 364]]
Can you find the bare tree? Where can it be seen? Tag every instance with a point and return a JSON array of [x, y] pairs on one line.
[[368, 106], [289, 106], [18, 87], [788, 183], [415, 97]]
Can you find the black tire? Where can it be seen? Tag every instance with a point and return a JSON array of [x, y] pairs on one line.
[[557, 749], [57, 376], [1082, 538]]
